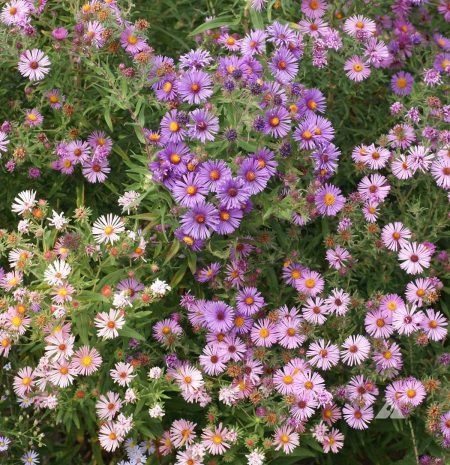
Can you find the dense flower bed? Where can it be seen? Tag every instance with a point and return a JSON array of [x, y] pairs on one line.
[[233, 255]]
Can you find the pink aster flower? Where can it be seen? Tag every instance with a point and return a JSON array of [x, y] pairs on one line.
[[264, 333], [357, 69], [333, 441], [435, 325], [311, 283], [107, 406], [182, 432], [355, 350], [110, 436], [414, 257], [395, 235], [216, 441], [34, 64], [23, 381], [86, 360], [358, 417], [285, 438], [122, 373], [33, 118], [374, 188], [323, 354], [378, 323], [413, 392], [315, 310]]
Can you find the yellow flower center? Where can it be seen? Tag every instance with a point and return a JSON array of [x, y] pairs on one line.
[[86, 361], [173, 126], [329, 199], [310, 283], [264, 332]]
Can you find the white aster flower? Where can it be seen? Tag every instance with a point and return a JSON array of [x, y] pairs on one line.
[[24, 202]]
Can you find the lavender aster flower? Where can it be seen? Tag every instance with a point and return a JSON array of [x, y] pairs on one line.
[[199, 221]]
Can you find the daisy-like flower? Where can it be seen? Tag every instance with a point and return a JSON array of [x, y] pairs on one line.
[[388, 358], [59, 346], [418, 290], [401, 83], [413, 392], [216, 441], [329, 200], [219, 316], [435, 325], [355, 349], [407, 320], [107, 229], [62, 374], [188, 378], [311, 283], [277, 122], [94, 34], [392, 303], [167, 331], [15, 12], [189, 191], [264, 333], [361, 390], [395, 236], [254, 43], [401, 167], [24, 202], [203, 125], [33, 118], [57, 272], [195, 87], [283, 380], [108, 405], [285, 438], [358, 417], [4, 141], [440, 170], [108, 324], [212, 360], [304, 406], [34, 64], [309, 381], [420, 158], [314, 8], [249, 301], [315, 310], [284, 65], [360, 27], [333, 441], [374, 188], [86, 360], [182, 433], [288, 333], [24, 381], [4, 443], [401, 136], [31, 457], [131, 42], [122, 373], [323, 354], [338, 302], [110, 436], [414, 257], [378, 323], [356, 69]]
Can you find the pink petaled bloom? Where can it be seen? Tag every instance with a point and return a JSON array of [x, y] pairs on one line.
[[15, 321], [110, 436], [188, 378], [122, 374], [304, 406], [359, 26], [407, 320], [388, 358], [216, 441], [401, 136], [413, 392], [314, 8], [315, 311], [283, 380], [361, 391], [309, 381], [212, 360], [33, 118], [355, 350], [395, 235], [311, 283], [62, 293], [5, 343], [323, 354], [285, 438], [107, 406], [445, 425], [378, 323], [333, 441], [374, 188], [435, 325], [33, 64], [86, 360], [418, 290], [440, 170], [357, 69], [331, 413], [392, 303], [131, 42], [15, 12], [414, 257], [288, 333], [23, 381], [62, 374], [401, 167], [338, 302], [109, 323], [167, 331], [94, 34], [264, 333], [357, 417], [59, 346], [182, 433], [337, 257]]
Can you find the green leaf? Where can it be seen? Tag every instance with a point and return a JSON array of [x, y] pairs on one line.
[[178, 276], [214, 24], [107, 116], [173, 250], [131, 333]]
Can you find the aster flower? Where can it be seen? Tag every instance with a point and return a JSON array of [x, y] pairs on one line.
[[107, 406], [15, 12], [232, 193], [357, 69], [277, 122], [4, 141], [107, 229], [284, 65], [434, 325], [78, 151], [338, 302], [254, 43], [189, 191], [357, 417], [94, 34], [413, 392], [329, 200], [355, 349], [86, 360], [167, 331], [315, 310], [286, 439], [323, 354], [171, 129], [407, 320], [378, 323], [131, 42], [108, 324], [392, 303], [109, 436], [414, 257], [288, 333], [312, 101], [34, 64], [249, 301], [280, 34], [199, 220], [33, 118], [304, 406], [361, 391], [374, 188], [182, 433], [122, 373], [212, 360], [440, 170], [420, 158], [395, 235], [401, 136], [24, 381], [311, 283], [388, 357], [216, 441], [333, 441], [195, 59], [24, 202], [401, 83], [203, 125], [314, 8], [254, 176], [313, 131], [359, 26], [264, 333], [218, 316], [195, 87]]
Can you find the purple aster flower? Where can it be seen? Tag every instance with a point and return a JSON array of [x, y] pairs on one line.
[[189, 191], [310, 283], [254, 43], [33, 118], [219, 316], [401, 83], [95, 169], [212, 173], [131, 42], [232, 193], [203, 126], [374, 188], [60, 33], [78, 151], [229, 220], [314, 8], [255, 178], [100, 139], [277, 122], [329, 200], [280, 34], [188, 240], [266, 160], [195, 59], [357, 69], [249, 301], [264, 333], [229, 64], [209, 273], [312, 101], [326, 157], [175, 156], [171, 129], [55, 98], [442, 62], [314, 130], [195, 87], [284, 65], [199, 221], [131, 287], [166, 88], [401, 136]]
